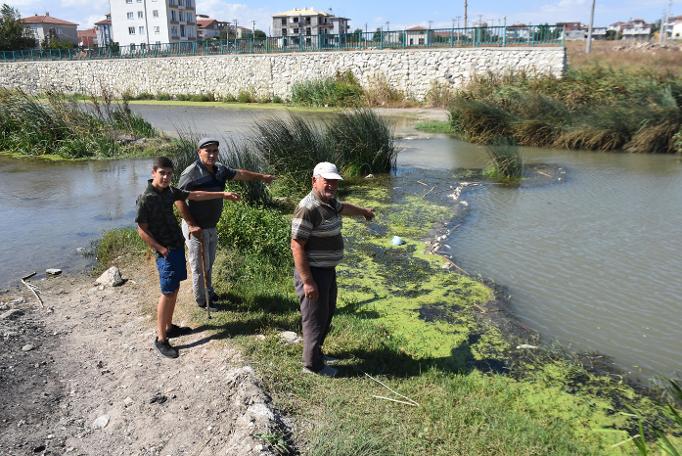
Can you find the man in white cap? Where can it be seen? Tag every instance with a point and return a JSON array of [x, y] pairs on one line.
[[317, 247], [201, 217]]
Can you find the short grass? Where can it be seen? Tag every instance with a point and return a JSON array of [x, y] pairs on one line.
[[434, 126]]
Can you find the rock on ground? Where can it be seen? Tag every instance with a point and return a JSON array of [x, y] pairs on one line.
[[86, 387], [110, 278]]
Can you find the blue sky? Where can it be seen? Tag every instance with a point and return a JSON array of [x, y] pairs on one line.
[[376, 13]]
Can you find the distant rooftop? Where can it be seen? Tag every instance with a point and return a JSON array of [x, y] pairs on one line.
[[46, 19]]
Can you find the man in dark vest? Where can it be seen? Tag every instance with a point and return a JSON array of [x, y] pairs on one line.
[[201, 217]]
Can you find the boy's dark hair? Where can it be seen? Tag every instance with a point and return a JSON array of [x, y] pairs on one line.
[[162, 162]]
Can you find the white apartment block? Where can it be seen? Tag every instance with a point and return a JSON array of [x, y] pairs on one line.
[[306, 23], [149, 22]]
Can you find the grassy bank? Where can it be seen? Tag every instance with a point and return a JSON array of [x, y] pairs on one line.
[[591, 108], [57, 126], [421, 330], [404, 318]]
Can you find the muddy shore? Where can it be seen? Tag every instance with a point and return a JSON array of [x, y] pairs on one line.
[[80, 377]]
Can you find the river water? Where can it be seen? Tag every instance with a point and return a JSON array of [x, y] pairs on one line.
[[591, 261]]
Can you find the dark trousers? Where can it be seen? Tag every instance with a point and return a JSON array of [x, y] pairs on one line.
[[316, 316]]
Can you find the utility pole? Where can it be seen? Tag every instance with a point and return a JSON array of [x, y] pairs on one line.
[[458, 17], [430, 22], [466, 12], [388, 26], [588, 45], [662, 36]]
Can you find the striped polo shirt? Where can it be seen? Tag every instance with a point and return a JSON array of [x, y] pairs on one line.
[[319, 224]]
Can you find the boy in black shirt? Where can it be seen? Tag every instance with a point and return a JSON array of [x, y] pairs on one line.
[[158, 227]]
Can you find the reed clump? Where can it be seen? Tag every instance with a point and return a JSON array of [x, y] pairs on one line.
[[59, 125], [592, 108], [506, 165], [359, 142]]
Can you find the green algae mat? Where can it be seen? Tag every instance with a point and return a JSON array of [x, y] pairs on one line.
[[423, 370]]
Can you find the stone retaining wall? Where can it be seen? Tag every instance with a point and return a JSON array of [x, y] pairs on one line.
[[410, 71]]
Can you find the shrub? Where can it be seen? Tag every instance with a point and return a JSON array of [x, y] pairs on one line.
[[380, 93], [342, 90], [246, 96], [254, 230], [440, 95]]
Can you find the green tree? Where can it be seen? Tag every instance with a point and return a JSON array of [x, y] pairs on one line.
[[14, 35], [259, 35], [52, 42]]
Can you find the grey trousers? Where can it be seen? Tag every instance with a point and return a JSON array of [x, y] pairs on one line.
[[210, 237], [316, 316]]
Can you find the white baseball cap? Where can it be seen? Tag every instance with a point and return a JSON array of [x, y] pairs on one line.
[[327, 170]]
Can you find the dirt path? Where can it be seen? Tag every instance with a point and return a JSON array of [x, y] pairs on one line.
[[81, 377]]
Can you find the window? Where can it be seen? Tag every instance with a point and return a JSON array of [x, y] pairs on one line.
[[141, 30], [295, 31], [157, 29], [131, 15], [155, 13], [284, 21], [308, 31], [131, 30], [182, 30], [295, 19], [284, 32], [129, 1], [157, 42], [140, 14]]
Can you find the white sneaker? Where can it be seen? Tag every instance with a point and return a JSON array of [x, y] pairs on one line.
[[326, 371]]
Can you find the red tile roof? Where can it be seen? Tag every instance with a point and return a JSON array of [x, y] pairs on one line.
[[205, 22], [103, 22], [45, 20]]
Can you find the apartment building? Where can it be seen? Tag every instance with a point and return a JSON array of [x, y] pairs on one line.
[[148, 22], [103, 30], [50, 27], [305, 23]]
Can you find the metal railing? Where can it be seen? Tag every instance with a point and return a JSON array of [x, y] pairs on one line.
[[502, 36]]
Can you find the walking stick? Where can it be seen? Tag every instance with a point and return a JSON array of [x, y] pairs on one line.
[[203, 274]]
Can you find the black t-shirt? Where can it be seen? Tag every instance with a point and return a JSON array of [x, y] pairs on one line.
[[155, 208]]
